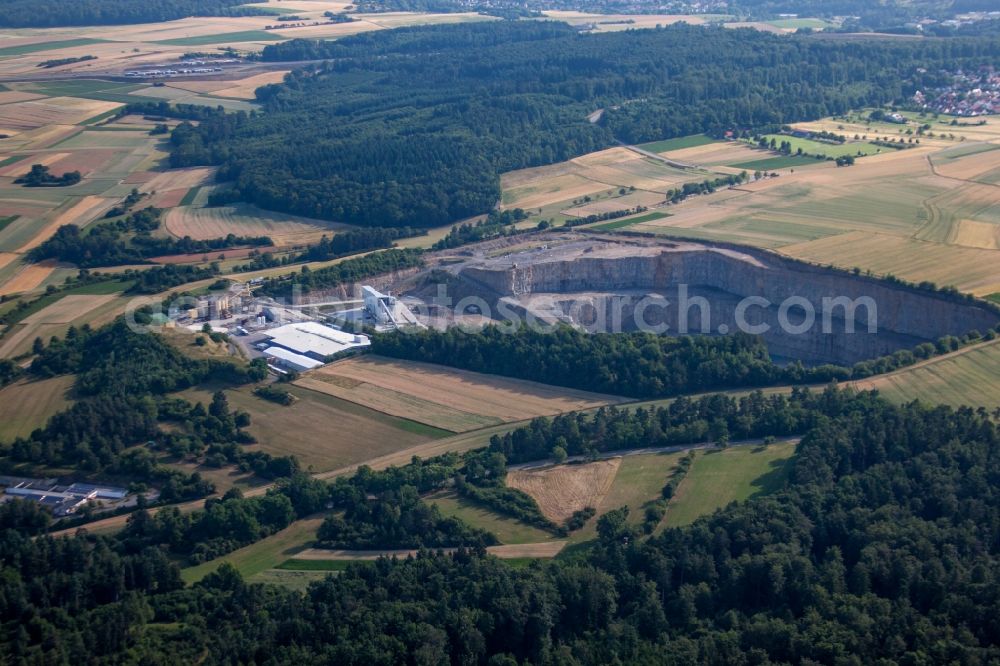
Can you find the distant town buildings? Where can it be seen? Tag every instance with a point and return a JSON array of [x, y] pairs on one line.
[[970, 94]]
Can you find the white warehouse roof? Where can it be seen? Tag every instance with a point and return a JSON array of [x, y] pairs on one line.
[[291, 359], [312, 337]]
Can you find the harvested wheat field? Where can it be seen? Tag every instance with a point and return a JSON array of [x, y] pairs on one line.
[[245, 220], [79, 213], [52, 111], [87, 162], [974, 161], [396, 403], [461, 390], [547, 191], [240, 252], [637, 198], [27, 278], [972, 233], [564, 489], [245, 88], [11, 96], [69, 308], [716, 154], [21, 167]]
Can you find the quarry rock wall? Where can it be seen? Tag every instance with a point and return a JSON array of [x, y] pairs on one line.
[[905, 316]]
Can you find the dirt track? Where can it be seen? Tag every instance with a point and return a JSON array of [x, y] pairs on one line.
[[535, 550]]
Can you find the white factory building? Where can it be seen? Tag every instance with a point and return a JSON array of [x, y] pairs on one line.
[[306, 345]]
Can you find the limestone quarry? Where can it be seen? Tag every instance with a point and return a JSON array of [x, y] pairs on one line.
[[607, 283]]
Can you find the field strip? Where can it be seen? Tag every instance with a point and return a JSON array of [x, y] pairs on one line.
[[487, 395], [541, 550], [82, 210], [399, 404], [27, 278], [69, 308], [20, 167]]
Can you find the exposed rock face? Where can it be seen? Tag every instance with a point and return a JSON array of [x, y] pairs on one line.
[[609, 286]]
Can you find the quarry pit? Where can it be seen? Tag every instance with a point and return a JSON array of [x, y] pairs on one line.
[[611, 283]]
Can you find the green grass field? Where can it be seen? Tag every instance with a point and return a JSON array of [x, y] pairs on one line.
[[812, 147], [81, 87], [190, 196], [677, 144], [24, 49], [796, 23], [779, 162], [508, 530], [226, 38], [629, 221], [719, 477], [294, 564], [11, 160], [969, 378], [26, 405], [4, 221], [638, 482], [265, 554]]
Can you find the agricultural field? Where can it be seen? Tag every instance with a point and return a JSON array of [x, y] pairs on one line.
[[26, 405], [55, 314], [629, 221], [680, 143], [324, 432], [925, 213], [969, 376], [284, 229], [562, 490], [446, 398], [607, 180], [718, 477]]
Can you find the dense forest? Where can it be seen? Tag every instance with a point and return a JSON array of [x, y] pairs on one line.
[[412, 127], [53, 13], [882, 549]]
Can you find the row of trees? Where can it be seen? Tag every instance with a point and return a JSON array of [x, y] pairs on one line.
[[345, 272], [50, 13]]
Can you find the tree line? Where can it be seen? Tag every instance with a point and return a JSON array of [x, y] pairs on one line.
[[50, 13], [635, 364]]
